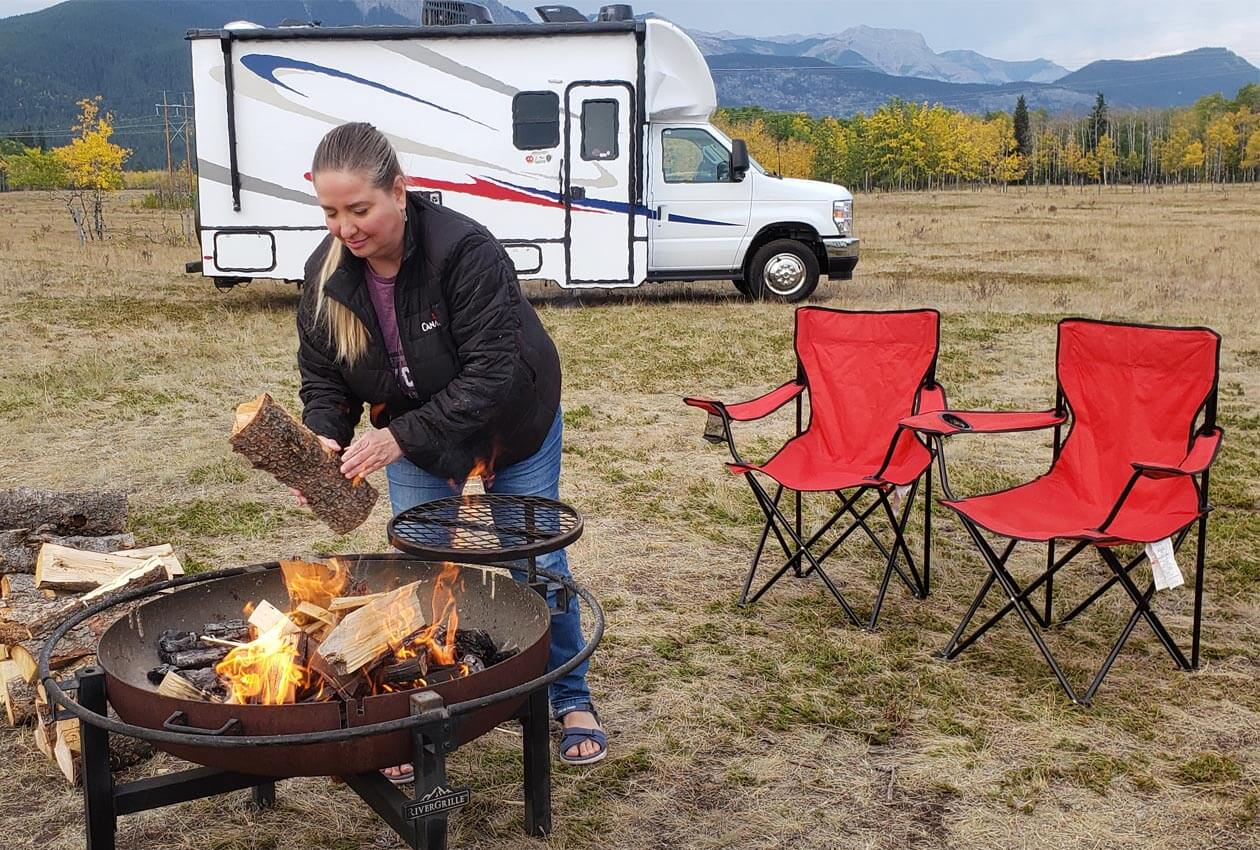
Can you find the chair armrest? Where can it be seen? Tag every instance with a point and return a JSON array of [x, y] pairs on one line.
[[946, 422], [1202, 452], [931, 398], [746, 411]]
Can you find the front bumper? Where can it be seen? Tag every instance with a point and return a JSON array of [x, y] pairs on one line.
[[842, 256]]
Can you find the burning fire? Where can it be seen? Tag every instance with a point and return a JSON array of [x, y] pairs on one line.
[[279, 666], [264, 671]]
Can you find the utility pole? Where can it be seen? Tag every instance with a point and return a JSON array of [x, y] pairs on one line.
[[166, 130], [185, 112]]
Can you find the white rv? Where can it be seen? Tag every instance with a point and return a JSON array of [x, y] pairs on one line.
[[584, 147]]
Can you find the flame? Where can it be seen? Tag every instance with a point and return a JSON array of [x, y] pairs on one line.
[[444, 615], [314, 582], [264, 671], [269, 671], [482, 468]]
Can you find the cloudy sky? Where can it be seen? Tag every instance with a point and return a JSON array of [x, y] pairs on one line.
[[1070, 32]]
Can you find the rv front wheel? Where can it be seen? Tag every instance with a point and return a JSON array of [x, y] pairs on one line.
[[783, 270]]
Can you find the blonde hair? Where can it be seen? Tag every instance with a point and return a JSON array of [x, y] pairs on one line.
[[360, 148]]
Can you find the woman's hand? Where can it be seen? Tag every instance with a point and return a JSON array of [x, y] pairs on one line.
[[370, 452], [332, 446]]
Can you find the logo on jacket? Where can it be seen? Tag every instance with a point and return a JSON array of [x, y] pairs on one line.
[[432, 324]]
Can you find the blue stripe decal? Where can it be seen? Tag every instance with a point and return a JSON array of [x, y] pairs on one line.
[[593, 204], [266, 66]]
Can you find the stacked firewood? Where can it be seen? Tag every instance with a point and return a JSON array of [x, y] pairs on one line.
[[335, 639], [59, 554]]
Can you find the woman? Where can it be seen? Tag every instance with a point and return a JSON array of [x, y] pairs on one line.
[[416, 311]]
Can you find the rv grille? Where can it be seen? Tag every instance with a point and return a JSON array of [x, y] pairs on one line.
[[440, 13]]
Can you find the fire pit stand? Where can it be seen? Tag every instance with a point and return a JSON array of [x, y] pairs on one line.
[[420, 820]]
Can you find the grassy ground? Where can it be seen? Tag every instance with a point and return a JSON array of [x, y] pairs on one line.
[[768, 727]]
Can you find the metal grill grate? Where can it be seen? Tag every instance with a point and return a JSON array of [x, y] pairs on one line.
[[485, 528]]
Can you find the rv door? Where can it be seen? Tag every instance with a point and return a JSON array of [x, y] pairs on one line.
[[598, 184]]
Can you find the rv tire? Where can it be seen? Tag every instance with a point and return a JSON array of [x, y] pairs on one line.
[[783, 270]]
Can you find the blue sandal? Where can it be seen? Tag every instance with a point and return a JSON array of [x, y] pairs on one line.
[[577, 735]]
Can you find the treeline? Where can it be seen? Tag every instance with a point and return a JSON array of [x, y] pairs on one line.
[[915, 146]]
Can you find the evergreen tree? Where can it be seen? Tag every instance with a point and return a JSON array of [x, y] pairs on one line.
[[1022, 138], [1098, 124]]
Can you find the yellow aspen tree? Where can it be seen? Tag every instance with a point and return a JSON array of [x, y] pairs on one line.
[[93, 167], [1251, 154], [1106, 157]]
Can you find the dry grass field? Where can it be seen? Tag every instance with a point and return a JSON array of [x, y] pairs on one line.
[[772, 726]]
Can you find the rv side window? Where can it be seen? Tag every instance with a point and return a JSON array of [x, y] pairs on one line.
[[690, 155], [536, 120], [599, 129]]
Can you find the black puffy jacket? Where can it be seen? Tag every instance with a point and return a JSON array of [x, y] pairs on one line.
[[486, 373]]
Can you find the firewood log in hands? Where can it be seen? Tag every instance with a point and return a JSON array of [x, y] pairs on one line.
[[272, 440]]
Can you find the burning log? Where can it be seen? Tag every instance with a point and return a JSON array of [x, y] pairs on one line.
[[313, 582], [227, 630], [77, 513], [368, 634], [275, 442], [347, 686], [191, 659], [404, 674], [350, 603], [176, 685], [267, 617]]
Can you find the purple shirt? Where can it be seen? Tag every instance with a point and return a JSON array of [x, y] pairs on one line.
[[381, 291]]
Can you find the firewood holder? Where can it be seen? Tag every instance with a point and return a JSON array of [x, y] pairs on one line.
[[419, 820]]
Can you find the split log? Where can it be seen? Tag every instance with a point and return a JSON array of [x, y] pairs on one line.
[[349, 603], [66, 750], [366, 635], [45, 730], [63, 568], [33, 616], [19, 547], [18, 694], [81, 513], [267, 617], [25, 660], [273, 441], [314, 612]]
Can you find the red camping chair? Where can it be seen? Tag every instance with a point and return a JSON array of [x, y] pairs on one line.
[[865, 371], [1132, 469]]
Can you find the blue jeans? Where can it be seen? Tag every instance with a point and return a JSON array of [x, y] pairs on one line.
[[537, 475]]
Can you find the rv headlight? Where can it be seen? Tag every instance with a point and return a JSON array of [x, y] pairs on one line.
[[842, 214]]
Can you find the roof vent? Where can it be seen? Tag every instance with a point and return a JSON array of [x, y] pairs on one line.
[[441, 13], [616, 12], [560, 15]]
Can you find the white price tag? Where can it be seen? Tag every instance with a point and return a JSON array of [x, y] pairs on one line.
[[1164, 567], [898, 495]]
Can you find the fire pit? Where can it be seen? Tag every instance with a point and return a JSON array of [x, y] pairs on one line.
[[246, 746]]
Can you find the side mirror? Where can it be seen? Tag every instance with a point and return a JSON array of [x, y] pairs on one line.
[[739, 160]]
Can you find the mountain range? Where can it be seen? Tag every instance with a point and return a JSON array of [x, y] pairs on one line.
[[131, 51]]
